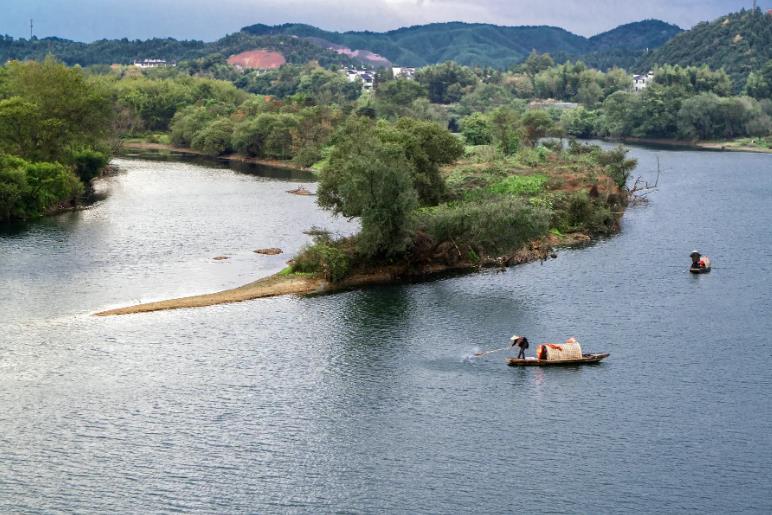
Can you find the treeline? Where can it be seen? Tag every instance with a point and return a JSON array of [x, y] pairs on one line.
[[55, 129], [739, 43]]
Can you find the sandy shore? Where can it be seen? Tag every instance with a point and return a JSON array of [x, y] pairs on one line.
[[278, 285], [272, 286]]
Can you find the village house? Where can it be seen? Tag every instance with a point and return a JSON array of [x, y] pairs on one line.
[[153, 63], [640, 82], [366, 76], [403, 73]]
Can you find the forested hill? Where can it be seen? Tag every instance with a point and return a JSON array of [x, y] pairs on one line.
[[466, 43], [739, 42], [125, 51], [476, 44]]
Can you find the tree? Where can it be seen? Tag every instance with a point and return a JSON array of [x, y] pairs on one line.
[[400, 92], [368, 178], [536, 124], [52, 108], [759, 84], [504, 123], [476, 129], [447, 82], [427, 146], [536, 63]]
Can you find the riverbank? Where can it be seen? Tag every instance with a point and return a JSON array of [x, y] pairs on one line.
[[282, 284], [729, 146], [239, 158]]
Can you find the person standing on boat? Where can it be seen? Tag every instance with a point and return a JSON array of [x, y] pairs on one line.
[[522, 342]]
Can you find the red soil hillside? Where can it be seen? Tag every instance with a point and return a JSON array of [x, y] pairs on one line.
[[257, 59]]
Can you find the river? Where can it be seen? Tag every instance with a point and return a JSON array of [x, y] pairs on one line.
[[368, 401]]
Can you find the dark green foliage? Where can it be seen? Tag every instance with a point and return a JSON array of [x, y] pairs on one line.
[[577, 211], [267, 135], [47, 108], [214, 139], [89, 164], [323, 258], [759, 84], [740, 43], [371, 179], [708, 116], [446, 82], [488, 227], [29, 190], [400, 92], [477, 129], [694, 79]]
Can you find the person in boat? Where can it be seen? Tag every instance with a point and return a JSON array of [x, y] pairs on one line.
[[522, 343], [698, 261]]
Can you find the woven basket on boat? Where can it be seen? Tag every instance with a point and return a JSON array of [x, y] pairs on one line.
[[558, 351]]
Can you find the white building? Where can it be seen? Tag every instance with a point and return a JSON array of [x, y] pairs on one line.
[[640, 82], [152, 63], [366, 76], [403, 73]]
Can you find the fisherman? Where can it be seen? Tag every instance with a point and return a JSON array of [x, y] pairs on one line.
[[522, 342], [697, 261]]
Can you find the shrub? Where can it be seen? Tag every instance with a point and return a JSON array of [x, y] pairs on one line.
[[490, 227], [323, 258], [89, 164], [476, 129], [215, 138]]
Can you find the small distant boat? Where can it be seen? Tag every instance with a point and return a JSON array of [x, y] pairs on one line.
[[700, 263], [533, 362]]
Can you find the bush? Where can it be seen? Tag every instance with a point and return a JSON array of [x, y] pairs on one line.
[[29, 190], [578, 212], [491, 227], [476, 130], [324, 259], [215, 138], [89, 164]]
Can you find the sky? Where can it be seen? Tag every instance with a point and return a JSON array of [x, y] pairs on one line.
[[88, 20]]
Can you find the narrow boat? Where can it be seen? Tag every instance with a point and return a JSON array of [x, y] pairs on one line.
[[533, 362], [700, 263]]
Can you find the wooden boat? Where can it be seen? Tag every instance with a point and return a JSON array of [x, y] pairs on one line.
[[586, 359], [699, 270]]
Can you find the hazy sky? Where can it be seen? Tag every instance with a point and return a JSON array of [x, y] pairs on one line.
[[87, 20]]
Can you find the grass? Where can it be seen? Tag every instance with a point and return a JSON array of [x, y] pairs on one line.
[[520, 185]]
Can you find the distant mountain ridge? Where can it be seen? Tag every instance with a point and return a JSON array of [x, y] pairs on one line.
[[479, 44], [474, 44]]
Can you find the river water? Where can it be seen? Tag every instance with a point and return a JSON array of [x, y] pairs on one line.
[[368, 401]]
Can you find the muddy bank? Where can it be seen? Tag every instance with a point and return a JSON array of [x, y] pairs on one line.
[[695, 145], [296, 284], [276, 163]]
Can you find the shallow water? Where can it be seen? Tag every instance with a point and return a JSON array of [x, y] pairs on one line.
[[369, 400]]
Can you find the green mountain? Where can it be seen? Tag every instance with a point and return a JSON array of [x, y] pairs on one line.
[[739, 42], [478, 44], [124, 51], [474, 44]]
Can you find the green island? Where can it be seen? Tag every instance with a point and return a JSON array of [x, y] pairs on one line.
[[448, 169]]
